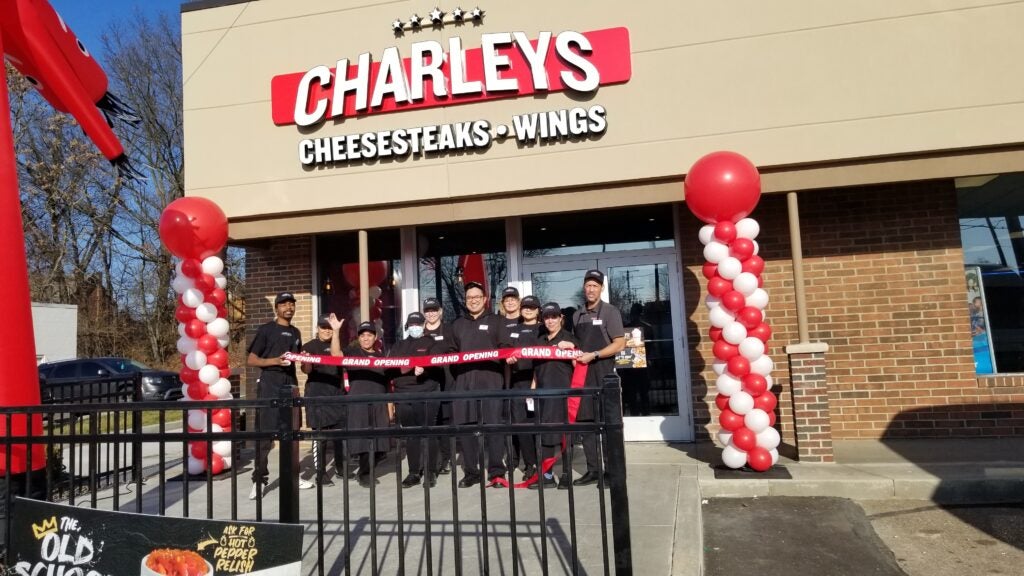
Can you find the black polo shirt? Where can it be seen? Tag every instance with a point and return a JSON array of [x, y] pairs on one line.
[[272, 340]]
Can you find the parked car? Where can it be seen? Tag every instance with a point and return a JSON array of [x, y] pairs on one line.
[[94, 379]]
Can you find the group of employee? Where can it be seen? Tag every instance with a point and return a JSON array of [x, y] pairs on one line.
[[595, 329]]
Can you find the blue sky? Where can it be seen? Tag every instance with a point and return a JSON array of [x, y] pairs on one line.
[[90, 18]]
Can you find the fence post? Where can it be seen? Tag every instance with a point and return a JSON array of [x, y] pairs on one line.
[[289, 462], [616, 471], [137, 431]]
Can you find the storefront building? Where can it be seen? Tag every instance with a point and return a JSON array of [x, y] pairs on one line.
[[524, 143]]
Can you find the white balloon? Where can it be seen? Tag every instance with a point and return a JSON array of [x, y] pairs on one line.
[[757, 420], [775, 456], [715, 252], [762, 365], [216, 429], [733, 457], [745, 283], [729, 268], [184, 391], [769, 438], [727, 384], [197, 420], [719, 366], [195, 465], [177, 268], [192, 298], [213, 266], [222, 447], [221, 386], [758, 299], [734, 333], [218, 327], [182, 283], [195, 359], [757, 247], [223, 342], [706, 233], [206, 312], [209, 374], [712, 302], [751, 348], [720, 316], [768, 379], [741, 403], [221, 280], [227, 462], [375, 293], [747, 228], [187, 345], [724, 437], [181, 330]]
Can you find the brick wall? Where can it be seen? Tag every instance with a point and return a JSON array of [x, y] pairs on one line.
[[885, 289]]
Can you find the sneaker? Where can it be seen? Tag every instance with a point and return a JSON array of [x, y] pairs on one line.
[[305, 484], [564, 481], [254, 492], [411, 480], [529, 472]]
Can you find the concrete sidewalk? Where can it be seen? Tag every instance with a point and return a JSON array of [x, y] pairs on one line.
[[952, 471]]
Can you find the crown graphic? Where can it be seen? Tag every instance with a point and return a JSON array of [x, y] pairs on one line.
[[48, 526]]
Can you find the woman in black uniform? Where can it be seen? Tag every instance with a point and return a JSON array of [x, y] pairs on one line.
[[548, 375], [420, 379], [364, 381]]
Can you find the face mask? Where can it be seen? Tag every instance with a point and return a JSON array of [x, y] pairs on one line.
[[415, 331]]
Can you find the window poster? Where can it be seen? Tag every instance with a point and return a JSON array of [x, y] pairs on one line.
[[634, 355], [981, 336]]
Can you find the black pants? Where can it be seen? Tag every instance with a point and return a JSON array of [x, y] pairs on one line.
[[320, 457], [550, 451], [525, 444], [419, 414], [269, 386]]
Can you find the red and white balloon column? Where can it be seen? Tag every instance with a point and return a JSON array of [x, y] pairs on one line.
[[722, 189], [196, 230]]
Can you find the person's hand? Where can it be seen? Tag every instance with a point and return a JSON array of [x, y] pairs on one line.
[[418, 370], [563, 345], [586, 358], [336, 324], [282, 361], [511, 360]]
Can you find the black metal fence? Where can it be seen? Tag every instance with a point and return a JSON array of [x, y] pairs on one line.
[[102, 454]]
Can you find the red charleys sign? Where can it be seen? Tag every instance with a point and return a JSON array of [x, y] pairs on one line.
[[508, 64]]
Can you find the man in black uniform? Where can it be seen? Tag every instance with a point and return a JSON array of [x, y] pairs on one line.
[[524, 333], [598, 328], [442, 335], [479, 329], [413, 414], [266, 352], [323, 381]]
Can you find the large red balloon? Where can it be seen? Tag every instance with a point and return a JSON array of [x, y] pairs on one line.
[[219, 358], [741, 248], [193, 227], [208, 344], [184, 313], [376, 270], [198, 450], [722, 186], [745, 439], [715, 333], [730, 420], [758, 458], [195, 328], [217, 464], [217, 297], [750, 317], [222, 418], [754, 265], [725, 231]]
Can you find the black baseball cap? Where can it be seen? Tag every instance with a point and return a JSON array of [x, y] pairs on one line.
[[550, 309], [324, 321], [366, 327], [594, 275], [511, 291], [529, 302], [431, 304], [284, 297], [415, 319], [475, 284]]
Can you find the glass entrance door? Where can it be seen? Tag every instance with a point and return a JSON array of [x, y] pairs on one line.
[[654, 371]]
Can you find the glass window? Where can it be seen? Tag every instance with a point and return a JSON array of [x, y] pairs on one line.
[[124, 365], [992, 234], [452, 254], [338, 265], [69, 370], [619, 229], [90, 369]]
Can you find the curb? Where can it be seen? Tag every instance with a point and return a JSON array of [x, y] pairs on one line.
[[688, 540]]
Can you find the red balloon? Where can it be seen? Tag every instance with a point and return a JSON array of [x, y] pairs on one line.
[[725, 231], [375, 272], [219, 358], [722, 401], [198, 390], [205, 283], [733, 300], [744, 439], [724, 351], [767, 402], [739, 366], [217, 464], [762, 332], [760, 281], [195, 328], [771, 418], [730, 420], [718, 286], [709, 270], [217, 297], [184, 313], [758, 458], [225, 372], [198, 450], [754, 265], [222, 311], [188, 373], [209, 398], [191, 430], [715, 333], [754, 384], [193, 227], [191, 267], [750, 317], [208, 344], [722, 186], [222, 417], [742, 248]]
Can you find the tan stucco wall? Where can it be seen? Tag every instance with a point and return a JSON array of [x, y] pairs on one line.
[[788, 83]]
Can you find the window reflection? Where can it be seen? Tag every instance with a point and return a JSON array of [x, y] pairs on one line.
[[452, 254]]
